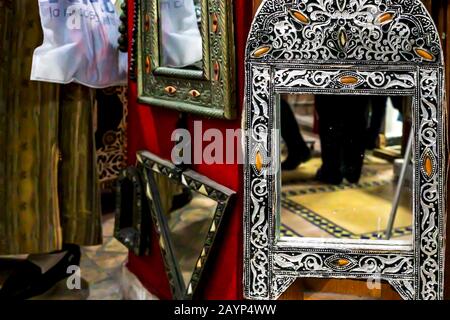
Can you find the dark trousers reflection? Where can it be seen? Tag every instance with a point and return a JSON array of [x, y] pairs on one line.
[[298, 151], [342, 130]]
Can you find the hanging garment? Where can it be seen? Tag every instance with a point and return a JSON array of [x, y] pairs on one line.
[[48, 180], [80, 44]]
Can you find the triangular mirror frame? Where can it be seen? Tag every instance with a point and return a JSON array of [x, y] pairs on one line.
[[148, 165]]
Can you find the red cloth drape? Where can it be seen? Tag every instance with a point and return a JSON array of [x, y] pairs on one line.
[[150, 128]]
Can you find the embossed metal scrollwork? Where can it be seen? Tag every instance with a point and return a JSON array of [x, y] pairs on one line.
[[339, 47]]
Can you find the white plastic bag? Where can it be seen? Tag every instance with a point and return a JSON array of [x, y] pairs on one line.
[[80, 44], [180, 36]]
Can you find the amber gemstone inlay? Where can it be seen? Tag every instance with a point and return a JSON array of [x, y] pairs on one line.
[[170, 89], [385, 18], [261, 51], [259, 161], [424, 54], [342, 38], [147, 23], [148, 65], [216, 71], [215, 23], [195, 93], [299, 16], [428, 165], [341, 262], [348, 80]]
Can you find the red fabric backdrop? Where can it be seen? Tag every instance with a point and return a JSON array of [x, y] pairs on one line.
[[150, 128]]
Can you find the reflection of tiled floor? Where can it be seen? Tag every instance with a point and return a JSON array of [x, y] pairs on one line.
[[189, 227], [362, 210]]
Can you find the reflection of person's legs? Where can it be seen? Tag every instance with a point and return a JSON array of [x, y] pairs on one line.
[[376, 120], [330, 130], [397, 103], [354, 136], [298, 151]]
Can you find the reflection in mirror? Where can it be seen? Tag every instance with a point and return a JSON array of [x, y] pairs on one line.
[[180, 34], [188, 216], [346, 167]]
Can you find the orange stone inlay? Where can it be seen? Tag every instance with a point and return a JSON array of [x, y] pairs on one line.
[[259, 161], [216, 71], [195, 93], [348, 80], [424, 54], [428, 166], [148, 65], [300, 16], [385, 18], [342, 262], [147, 23], [215, 23], [170, 89], [261, 52]]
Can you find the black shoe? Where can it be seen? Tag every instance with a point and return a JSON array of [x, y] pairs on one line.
[[328, 177], [294, 160], [352, 175], [371, 141], [28, 280]]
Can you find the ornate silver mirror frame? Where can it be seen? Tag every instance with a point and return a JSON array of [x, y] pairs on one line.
[[376, 47], [209, 92], [148, 165]]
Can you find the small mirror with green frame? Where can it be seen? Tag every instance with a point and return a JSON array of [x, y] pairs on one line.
[[186, 56]]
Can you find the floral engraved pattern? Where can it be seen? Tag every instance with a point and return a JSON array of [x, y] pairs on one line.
[[431, 224], [281, 284], [305, 262], [258, 142], [373, 47], [331, 30], [111, 156], [404, 287], [333, 79]]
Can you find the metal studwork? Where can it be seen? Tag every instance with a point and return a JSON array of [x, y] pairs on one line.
[[123, 28], [134, 43]]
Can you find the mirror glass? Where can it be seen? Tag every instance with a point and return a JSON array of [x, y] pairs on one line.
[[346, 167], [180, 34], [188, 216]]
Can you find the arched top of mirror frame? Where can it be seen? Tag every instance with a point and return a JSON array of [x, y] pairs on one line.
[[344, 32]]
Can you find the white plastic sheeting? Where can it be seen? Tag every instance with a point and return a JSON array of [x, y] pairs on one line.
[[80, 44]]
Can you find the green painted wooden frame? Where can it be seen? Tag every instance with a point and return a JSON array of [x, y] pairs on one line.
[[209, 92]]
